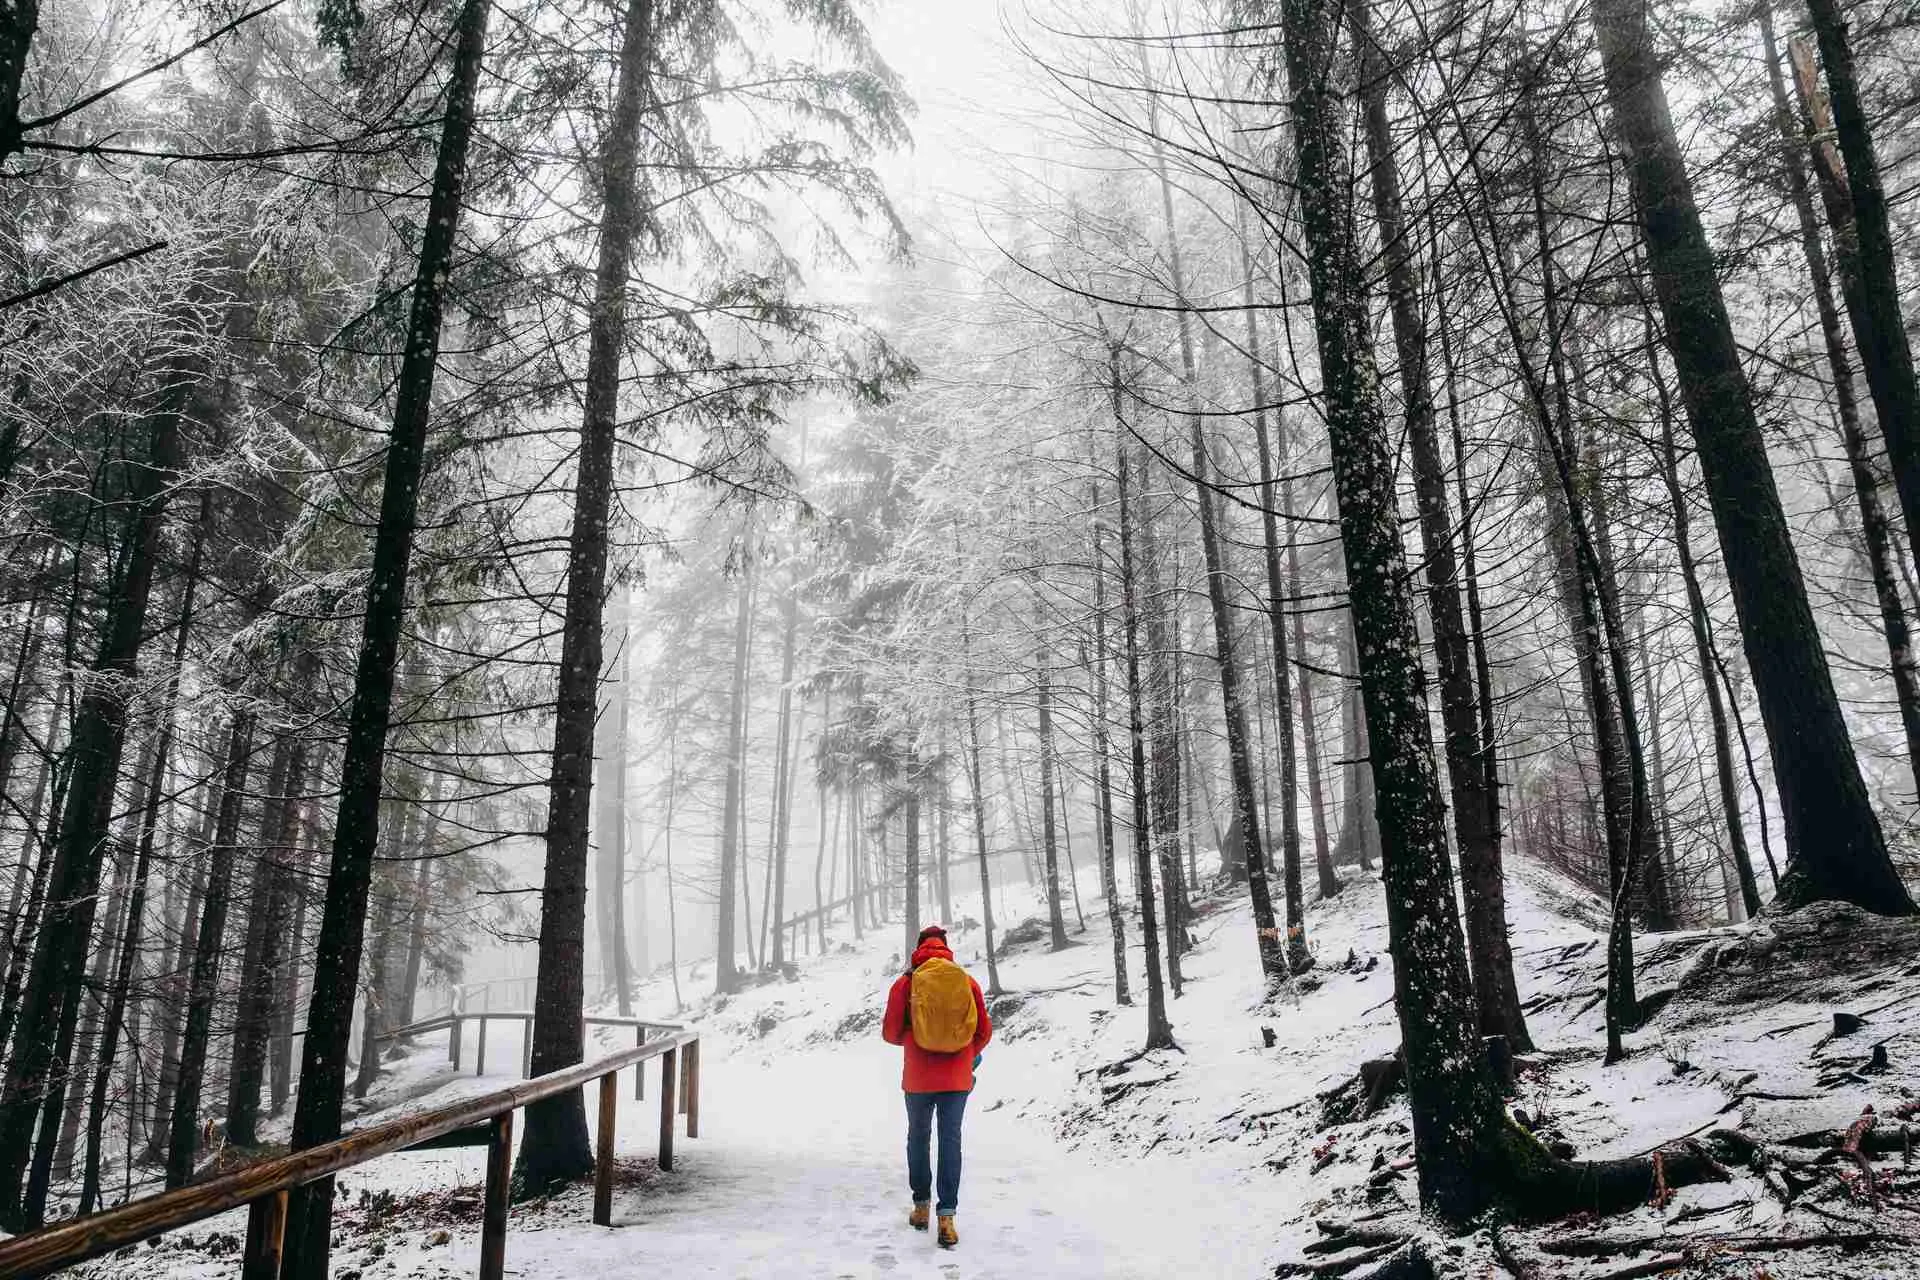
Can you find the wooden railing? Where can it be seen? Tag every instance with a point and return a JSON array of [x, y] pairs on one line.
[[455, 1021], [482, 1121], [796, 925]]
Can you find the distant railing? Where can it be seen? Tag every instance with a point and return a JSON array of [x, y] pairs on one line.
[[483, 1121], [456, 1020]]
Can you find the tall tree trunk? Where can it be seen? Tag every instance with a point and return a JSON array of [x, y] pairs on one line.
[[910, 879], [1458, 1121], [1703, 649], [726, 967], [19, 20], [1869, 279], [610, 867], [555, 1146], [1359, 821], [1482, 888], [265, 954], [1296, 953], [1162, 714], [1853, 436], [418, 902], [1602, 636], [1159, 1029], [173, 1006], [1056, 917], [379, 991], [943, 833], [1309, 715], [1835, 846], [823, 849], [336, 970], [203, 988], [787, 740], [1102, 749], [287, 992], [105, 958], [979, 800], [39, 1067], [122, 988]]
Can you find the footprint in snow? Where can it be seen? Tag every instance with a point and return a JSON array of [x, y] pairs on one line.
[[885, 1260]]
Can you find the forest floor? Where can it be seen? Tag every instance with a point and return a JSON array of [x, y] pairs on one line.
[[1224, 1158]]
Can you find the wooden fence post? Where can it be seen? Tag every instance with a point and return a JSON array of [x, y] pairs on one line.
[[493, 1220], [453, 1039], [603, 1151], [266, 1237], [639, 1068], [526, 1047], [693, 1089], [669, 1063]]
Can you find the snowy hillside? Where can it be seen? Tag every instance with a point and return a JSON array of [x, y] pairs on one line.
[[1084, 1161]]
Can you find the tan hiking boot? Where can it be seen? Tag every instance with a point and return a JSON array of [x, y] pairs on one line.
[[918, 1218], [948, 1237]]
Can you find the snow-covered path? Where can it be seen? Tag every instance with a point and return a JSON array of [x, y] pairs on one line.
[[799, 1172]]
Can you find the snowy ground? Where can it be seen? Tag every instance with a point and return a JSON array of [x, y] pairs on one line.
[[1208, 1162]]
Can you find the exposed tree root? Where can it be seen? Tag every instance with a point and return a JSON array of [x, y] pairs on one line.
[[1389, 1250]]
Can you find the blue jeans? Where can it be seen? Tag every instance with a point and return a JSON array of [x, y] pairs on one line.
[[922, 1110]]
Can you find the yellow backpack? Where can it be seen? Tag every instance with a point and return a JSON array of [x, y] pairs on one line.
[[942, 1017]]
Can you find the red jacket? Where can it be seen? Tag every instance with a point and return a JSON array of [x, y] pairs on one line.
[[926, 1071]]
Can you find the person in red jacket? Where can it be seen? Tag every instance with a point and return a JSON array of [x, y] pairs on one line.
[[936, 1086]]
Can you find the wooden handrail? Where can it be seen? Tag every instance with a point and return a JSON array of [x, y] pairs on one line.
[[441, 1021], [263, 1185]]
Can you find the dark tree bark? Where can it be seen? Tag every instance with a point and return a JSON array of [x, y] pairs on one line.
[[1872, 288], [1102, 745], [1476, 619], [1298, 957], [418, 902], [336, 969], [174, 996], [786, 739], [1602, 635], [1162, 715], [19, 20], [1159, 1029], [1700, 625], [286, 993], [555, 1146], [39, 1067], [1461, 1134], [726, 962], [910, 809], [1835, 845], [1056, 917], [266, 952], [105, 958], [942, 832], [1874, 531], [203, 988], [1482, 887], [147, 835], [610, 867], [379, 988], [121, 990], [978, 797], [1359, 823], [821, 893], [1309, 715]]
